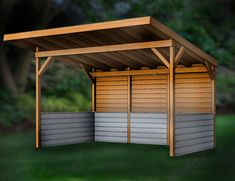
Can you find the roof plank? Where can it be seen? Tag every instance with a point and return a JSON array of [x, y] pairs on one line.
[[79, 28]]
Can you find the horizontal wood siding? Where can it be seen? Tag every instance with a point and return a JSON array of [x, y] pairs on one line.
[[111, 127], [149, 128], [66, 128], [193, 132], [193, 93], [111, 94], [149, 93]]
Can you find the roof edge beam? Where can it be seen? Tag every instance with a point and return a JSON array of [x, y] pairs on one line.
[[79, 28], [46, 65], [106, 48]]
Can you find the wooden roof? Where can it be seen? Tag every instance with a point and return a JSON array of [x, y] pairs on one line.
[[128, 31]]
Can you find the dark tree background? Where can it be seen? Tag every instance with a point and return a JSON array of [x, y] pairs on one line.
[[207, 23]]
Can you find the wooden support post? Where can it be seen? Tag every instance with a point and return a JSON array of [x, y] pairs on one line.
[[93, 94], [168, 110], [129, 108], [172, 100], [213, 106], [38, 96]]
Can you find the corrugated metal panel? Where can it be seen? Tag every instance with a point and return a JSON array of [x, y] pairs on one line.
[[149, 128], [194, 132], [111, 127], [66, 128]]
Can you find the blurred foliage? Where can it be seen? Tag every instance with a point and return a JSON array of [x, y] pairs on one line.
[[64, 89], [15, 108], [208, 24]]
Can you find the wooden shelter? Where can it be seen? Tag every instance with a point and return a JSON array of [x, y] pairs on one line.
[[149, 85]]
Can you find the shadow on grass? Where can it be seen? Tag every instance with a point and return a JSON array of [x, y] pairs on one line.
[[109, 161]]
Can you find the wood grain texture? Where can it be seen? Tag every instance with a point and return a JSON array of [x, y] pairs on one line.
[[121, 31], [149, 93], [112, 94], [193, 93], [46, 65], [104, 48]]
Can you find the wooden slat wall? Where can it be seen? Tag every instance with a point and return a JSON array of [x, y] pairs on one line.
[[111, 127], [193, 132], [66, 128], [193, 93], [149, 128], [111, 94], [149, 93]]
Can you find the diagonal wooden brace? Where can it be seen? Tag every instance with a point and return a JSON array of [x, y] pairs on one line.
[[46, 65]]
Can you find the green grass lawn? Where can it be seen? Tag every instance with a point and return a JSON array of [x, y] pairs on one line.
[[113, 162]]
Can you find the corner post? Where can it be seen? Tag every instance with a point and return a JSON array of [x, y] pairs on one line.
[[128, 107], [213, 106], [38, 96], [93, 93], [172, 100]]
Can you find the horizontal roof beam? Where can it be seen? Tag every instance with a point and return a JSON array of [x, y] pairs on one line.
[[106, 48], [130, 72], [149, 71]]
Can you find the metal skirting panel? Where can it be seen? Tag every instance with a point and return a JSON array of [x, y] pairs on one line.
[[149, 128], [66, 128], [70, 128], [111, 127], [193, 132]]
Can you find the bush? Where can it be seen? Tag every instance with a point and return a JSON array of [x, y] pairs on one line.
[[14, 109]]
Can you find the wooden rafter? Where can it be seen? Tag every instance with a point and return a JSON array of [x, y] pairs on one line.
[[46, 65], [87, 73], [179, 55], [106, 48], [161, 57], [209, 68]]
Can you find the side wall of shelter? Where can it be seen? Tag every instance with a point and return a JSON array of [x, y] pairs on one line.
[[194, 116]]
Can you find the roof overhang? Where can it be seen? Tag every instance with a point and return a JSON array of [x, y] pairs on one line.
[[93, 38]]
